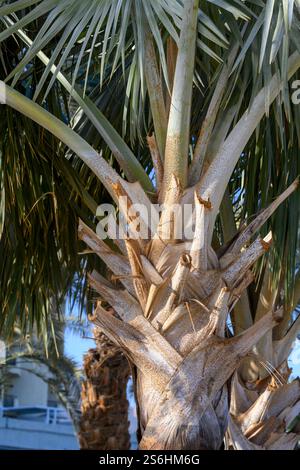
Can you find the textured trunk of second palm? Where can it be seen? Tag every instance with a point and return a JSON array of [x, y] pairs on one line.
[[104, 423]]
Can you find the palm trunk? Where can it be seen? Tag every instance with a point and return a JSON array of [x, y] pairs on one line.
[[181, 414], [104, 423], [172, 324]]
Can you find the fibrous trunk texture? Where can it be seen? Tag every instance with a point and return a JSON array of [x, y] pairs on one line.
[[174, 297], [104, 423]]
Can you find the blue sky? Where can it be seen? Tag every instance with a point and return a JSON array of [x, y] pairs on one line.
[[294, 360], [76, 346]]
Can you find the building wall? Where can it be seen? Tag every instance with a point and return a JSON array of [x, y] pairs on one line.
[[28, 388]]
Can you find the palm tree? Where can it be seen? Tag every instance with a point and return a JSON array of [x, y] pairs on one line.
[[208, 351], [104, 419]]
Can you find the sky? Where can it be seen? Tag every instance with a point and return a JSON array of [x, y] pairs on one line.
[[294, 360], [76, 346]]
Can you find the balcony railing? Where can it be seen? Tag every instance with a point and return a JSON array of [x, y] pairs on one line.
[[47, 415]]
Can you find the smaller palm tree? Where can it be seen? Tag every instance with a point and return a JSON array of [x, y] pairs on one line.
[[104, 421]]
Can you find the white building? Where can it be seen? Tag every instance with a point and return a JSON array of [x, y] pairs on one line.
[[30, 415]]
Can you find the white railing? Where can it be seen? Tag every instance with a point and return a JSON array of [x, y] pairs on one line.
[[43, 414]]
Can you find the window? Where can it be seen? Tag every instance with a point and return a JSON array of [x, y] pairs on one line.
[[9, 401]]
